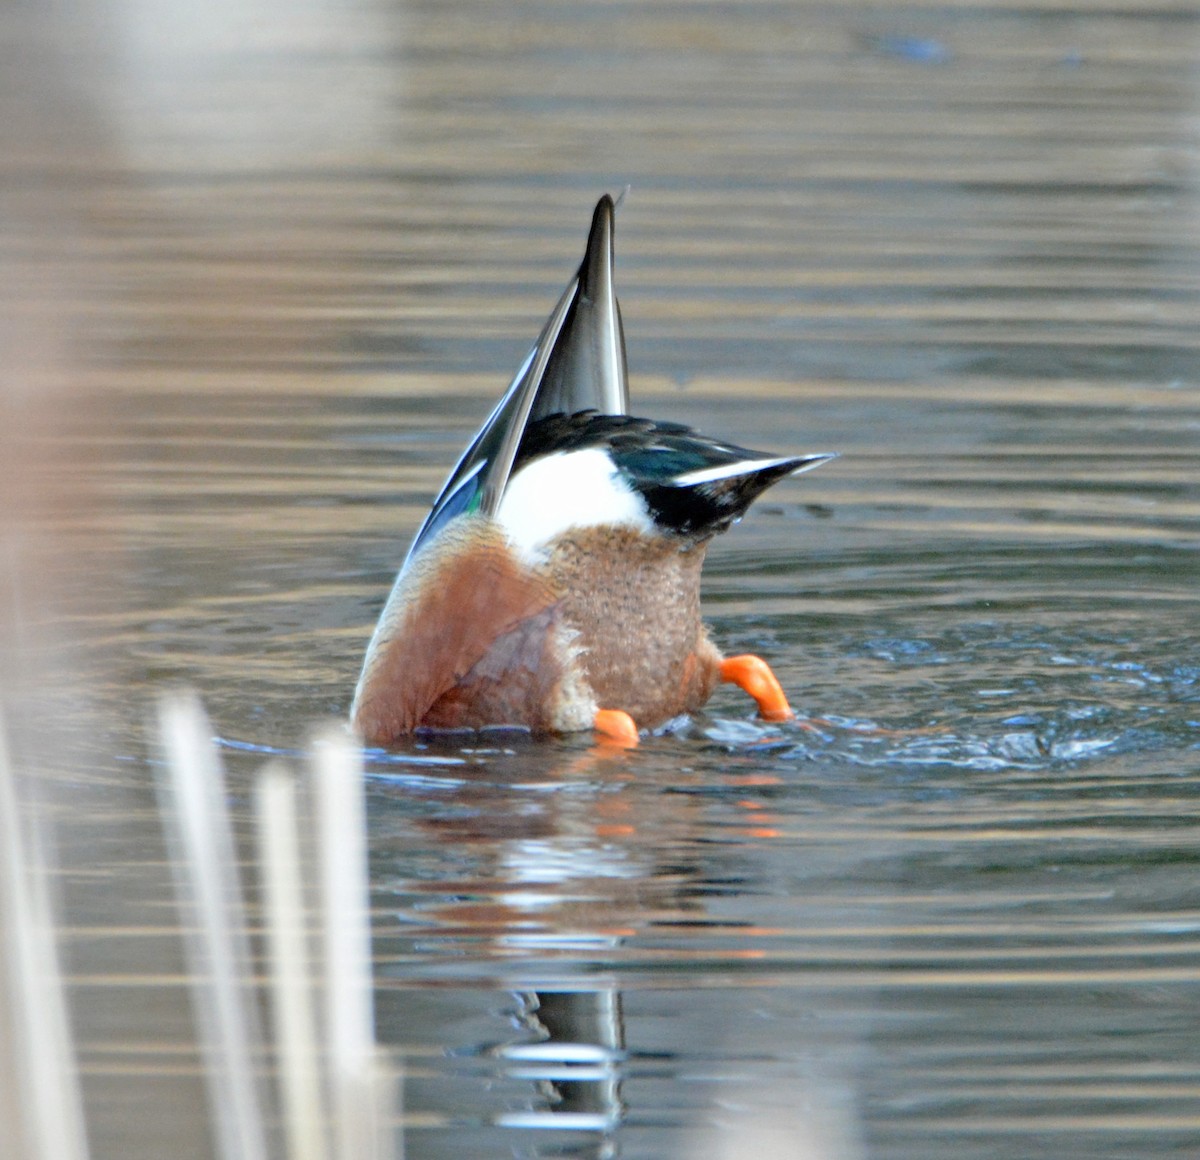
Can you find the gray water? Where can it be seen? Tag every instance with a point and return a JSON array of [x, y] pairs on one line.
[[274, 269]]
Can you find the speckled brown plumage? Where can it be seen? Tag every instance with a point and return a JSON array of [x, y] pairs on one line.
[[635, 602]]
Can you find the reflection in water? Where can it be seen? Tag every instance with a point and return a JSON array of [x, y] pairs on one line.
[[562, 888], [575, 1057], [539, 883]]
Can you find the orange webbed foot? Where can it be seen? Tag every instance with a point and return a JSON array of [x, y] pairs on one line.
[[616, 727], [755, 676]]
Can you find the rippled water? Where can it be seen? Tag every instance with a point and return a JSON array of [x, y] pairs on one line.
[[951, 913]]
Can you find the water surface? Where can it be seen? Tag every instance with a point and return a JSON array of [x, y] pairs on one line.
[[953, 912]]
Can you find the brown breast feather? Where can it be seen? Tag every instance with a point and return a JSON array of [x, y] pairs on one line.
[[635, 602]]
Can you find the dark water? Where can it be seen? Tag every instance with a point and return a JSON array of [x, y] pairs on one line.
[[956, 913]]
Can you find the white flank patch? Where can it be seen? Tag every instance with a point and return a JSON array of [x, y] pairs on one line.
[[570, 489]]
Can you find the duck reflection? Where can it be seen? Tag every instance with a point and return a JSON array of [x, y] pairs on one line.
[[572, 926], [556, 876], [575, 1057]]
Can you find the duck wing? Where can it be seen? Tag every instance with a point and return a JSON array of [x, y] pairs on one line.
[[578, 363]]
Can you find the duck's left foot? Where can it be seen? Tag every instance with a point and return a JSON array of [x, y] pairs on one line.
[[616, 727], [755, 676]]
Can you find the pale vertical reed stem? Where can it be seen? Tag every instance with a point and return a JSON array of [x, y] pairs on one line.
[[37, 1062], [192, 803], [356, 1085], [292, 996]]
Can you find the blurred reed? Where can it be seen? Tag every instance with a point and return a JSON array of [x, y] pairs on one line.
[[279, 854], [192, 802], [334, 1091], [41, 1111]]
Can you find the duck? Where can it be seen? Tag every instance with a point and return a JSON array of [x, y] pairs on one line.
[[554, 585]]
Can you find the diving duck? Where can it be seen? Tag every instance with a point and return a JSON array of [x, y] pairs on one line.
[[555, 584]]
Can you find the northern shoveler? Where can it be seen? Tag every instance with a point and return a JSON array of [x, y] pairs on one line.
[[555, 584]]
